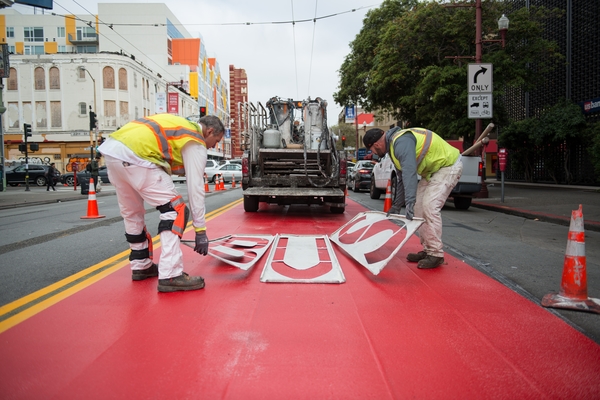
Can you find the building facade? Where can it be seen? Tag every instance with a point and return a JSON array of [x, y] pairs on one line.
[[63, 67], [238, 81]]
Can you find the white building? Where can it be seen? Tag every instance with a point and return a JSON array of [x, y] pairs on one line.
[[62, 67]]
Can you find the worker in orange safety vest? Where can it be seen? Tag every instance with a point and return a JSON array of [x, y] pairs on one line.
[[140, 158]]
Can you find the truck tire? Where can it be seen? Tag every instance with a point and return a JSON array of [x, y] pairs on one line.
[[251, 203], [462, 203], [374, 192]]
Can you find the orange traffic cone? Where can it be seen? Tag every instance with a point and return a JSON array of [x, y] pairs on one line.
[[206, 188], [222, 184], [387, 204], [232, 181], [573, 288], [217, 183], [92, 210]]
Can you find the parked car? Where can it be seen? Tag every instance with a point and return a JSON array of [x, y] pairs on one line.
[[68, 177], [359, 177], [210, 165], [37, 175], [226, 171]]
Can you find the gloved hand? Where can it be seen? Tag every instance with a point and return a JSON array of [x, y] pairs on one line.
[[201, 243], [394, 209], [396, 205], [410, 211]]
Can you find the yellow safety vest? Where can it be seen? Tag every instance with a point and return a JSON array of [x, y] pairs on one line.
[[432, 152], [159, 139]]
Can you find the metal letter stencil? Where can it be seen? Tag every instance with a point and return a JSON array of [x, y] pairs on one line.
[[241, 251], [372, 240], [302, 259]]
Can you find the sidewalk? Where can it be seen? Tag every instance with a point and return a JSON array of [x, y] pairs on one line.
[[549, 203], [37, 195]]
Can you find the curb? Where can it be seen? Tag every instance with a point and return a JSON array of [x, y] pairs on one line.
[[555, 219]]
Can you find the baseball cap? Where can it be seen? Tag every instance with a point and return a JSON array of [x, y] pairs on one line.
[[371, 137]]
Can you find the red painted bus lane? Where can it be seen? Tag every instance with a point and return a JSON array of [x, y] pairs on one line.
[[450, 333]]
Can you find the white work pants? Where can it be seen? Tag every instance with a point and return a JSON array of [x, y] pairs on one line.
[[431, 197], [134, 185]]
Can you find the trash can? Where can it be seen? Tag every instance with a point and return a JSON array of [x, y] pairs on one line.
[[84, 182]]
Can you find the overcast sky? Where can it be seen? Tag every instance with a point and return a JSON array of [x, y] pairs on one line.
[[281, 59]]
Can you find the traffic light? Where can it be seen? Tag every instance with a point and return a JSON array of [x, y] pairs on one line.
[[343, 140], [93, 120], [202, 111], [27, 129]]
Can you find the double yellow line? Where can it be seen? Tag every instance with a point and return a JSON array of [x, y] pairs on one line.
[[19, 310]]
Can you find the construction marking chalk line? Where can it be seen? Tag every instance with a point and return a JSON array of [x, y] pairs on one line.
[[21, 309]]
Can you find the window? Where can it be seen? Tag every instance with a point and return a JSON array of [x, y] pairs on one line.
[[33, 50], [33, 34], [12, 80], [109, 78], [12, 115], [110, 112], [60, 31], [85, 32], [82, 109], [122, 79], [40, 78], [87, 49], [124, 109], [55, 114], [54, 76], [81, 73], [62, 49], [10, 32], [11, 49], [40, 114]]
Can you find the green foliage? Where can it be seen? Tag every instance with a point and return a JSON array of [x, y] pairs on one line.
[[398, 62], [347, 130], [559, 126]]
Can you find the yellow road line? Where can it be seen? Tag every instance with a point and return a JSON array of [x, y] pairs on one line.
[[19, 310]]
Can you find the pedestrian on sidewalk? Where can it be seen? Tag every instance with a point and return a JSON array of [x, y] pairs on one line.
[[419, 151], [50, 178], [140, 158]]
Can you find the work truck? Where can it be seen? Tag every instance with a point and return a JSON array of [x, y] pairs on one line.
[[290, 155]]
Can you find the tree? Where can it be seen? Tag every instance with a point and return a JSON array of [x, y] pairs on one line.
[[344, 130], [398, 61], [533, 140]]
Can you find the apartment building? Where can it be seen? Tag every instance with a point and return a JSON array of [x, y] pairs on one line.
[[63, 67]]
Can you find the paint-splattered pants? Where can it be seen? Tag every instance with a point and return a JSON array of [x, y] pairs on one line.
[[431, 197]]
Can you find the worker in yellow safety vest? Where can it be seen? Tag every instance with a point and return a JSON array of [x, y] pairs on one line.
[[140, 158], [419, 151]]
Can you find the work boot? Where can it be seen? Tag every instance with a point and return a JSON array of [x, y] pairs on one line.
[[430, 262], [181, 282], [416, 257], [141, 274]]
